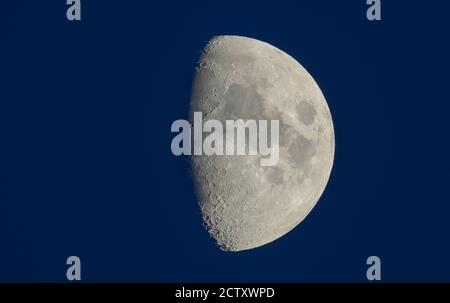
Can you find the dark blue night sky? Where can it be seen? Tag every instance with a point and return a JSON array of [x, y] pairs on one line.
[[86, 167]]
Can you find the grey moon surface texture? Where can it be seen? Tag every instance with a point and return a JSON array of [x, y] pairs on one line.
[[243, 204]]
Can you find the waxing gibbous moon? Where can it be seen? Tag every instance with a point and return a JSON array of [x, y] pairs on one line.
[[243, 204]]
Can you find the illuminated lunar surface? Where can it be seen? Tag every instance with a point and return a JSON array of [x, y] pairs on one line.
[[243, 204]]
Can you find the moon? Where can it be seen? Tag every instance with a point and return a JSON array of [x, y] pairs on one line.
[[245, 205]]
